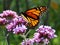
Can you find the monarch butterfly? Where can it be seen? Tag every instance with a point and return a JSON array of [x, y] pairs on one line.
[[32, 15]]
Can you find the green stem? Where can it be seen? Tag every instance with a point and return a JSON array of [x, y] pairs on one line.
[[24, 36], [28, 33], [7, 38]]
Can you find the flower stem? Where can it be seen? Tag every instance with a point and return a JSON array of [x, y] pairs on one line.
[[7, 38], [28, 33], [23, 36]]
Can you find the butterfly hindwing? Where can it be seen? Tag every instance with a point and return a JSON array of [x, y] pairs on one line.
[[33, 22]]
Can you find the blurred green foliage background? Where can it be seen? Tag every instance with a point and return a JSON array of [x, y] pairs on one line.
[[51, 17]]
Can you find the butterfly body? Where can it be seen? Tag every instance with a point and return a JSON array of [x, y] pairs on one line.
[[32, 15]]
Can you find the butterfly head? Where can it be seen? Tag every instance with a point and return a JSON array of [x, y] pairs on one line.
[[43, 8]]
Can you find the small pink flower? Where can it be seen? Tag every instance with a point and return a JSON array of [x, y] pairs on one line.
[[27, 42], [10, 26], [46, 41], [2, 20], [36, 35], [1, 15], [19, 29]]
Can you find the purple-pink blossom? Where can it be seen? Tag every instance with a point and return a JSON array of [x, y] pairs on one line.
[[2, 20], [46, 31], [10, 26], [17, 25], [8, 13], [19, 29], [44, 34], [14, 23], [27, 42]]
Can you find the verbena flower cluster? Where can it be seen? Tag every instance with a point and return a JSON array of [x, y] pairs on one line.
[[27, 42], [43, 35], [13, 22], [7, 16], [8, 13]]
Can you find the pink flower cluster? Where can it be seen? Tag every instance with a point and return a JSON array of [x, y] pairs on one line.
[[8, 13], [17, 25], [6, 16], [27, 42], [13, 22], [43, 35]]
